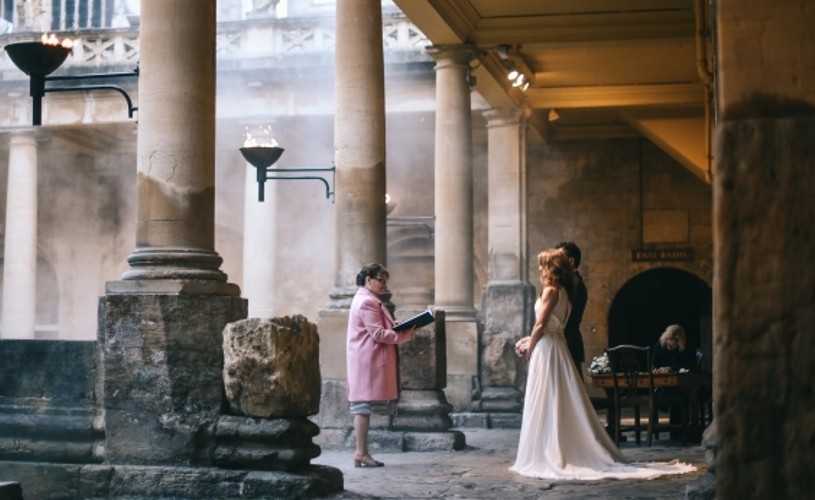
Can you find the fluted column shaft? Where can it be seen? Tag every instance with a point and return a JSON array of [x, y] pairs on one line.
[[176, 151], [453, 195], [359, 143], [20, 253]]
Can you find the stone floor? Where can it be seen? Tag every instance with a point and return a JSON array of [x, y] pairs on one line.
[[481, 471]]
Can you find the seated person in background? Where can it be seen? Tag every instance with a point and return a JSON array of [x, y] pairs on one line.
[[670, 353]]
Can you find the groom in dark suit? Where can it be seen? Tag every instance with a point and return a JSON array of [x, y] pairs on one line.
[[572, 330]]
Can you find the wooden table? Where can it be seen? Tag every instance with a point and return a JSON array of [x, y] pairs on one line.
[[689, 382]]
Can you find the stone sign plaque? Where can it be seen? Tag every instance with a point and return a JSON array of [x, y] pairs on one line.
[[665, 254]]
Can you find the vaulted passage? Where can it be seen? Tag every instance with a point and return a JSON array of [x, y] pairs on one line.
[[656, 298]]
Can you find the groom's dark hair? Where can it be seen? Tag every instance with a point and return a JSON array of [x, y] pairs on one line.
[[572, 250]]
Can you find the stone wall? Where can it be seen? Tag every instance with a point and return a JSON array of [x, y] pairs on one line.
[[48, 402], [599, 193]]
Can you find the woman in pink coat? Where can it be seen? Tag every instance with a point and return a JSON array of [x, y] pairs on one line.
[[373, 383]]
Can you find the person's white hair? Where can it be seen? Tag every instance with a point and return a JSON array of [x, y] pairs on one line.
[[675, 333]]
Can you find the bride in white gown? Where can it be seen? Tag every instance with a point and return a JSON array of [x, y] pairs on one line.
[[561, 436]]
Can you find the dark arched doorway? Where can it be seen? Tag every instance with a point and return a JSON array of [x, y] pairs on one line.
[[656, 298]]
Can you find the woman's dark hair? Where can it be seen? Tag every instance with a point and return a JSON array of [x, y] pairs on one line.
[[372, 271]]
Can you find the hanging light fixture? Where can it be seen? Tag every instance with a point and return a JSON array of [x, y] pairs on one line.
[[518, 71]]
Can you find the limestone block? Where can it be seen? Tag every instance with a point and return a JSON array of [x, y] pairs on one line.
[[422, 361], [271, 367], [499, 362]]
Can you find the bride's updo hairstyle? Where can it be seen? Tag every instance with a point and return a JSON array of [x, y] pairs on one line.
[[556, 270]]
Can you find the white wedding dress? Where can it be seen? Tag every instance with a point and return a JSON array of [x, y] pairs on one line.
[[561, 436]]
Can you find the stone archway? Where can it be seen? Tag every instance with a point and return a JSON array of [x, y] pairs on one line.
[[656, 298]]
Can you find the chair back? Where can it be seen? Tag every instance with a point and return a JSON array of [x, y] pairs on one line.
[[627, 363]]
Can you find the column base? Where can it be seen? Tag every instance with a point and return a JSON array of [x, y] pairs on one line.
[[422, 410], [174, 264], [487, 420], [502, 399], [280, 444], [172, 287], [162, 356]]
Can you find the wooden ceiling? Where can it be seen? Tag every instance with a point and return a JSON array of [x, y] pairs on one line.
[[608, 68]]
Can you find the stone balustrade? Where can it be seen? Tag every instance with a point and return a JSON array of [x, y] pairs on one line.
[[274, 39]]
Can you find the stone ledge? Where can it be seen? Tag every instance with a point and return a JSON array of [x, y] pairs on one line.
[[171, 287], [52, 480], [486, 420], [393, 441]]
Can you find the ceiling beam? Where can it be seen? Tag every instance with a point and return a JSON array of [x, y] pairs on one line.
[[616, 96], [585, 27], [442, 21]]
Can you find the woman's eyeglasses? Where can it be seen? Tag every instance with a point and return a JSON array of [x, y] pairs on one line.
[[383, 281]]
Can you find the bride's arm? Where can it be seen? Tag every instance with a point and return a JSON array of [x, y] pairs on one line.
[[549, 299]]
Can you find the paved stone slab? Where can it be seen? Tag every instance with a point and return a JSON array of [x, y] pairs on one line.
[[481, 471]]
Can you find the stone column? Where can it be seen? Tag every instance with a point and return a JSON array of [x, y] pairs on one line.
[[764, 242], [20, 250], [454, 219], [161, 325], [359, 209], [508, 297], [175, 228], [259, 247]]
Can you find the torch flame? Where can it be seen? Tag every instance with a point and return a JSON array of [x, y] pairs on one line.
[[264, 138], [53, 40]]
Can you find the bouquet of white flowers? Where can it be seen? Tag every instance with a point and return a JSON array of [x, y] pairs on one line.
[[600, 365]]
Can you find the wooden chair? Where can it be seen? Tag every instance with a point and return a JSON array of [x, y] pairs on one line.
[[628, 362], [628, 365]]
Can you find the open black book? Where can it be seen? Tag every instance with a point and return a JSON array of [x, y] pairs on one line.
[[419, 320]]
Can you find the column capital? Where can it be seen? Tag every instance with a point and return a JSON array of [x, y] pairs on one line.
[[26, 134], [501, 117], [453, 55]]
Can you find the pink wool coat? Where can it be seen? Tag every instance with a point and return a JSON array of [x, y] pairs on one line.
[[371, 350]]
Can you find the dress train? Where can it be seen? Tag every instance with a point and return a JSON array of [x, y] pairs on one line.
[[561, 436]]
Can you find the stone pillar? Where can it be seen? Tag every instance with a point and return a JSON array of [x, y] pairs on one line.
[[764, 242], [423, 407], [359, 208], [454, 219], [508, 297], [259, 247], [20, 251], [175, 228], [161, 324]]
